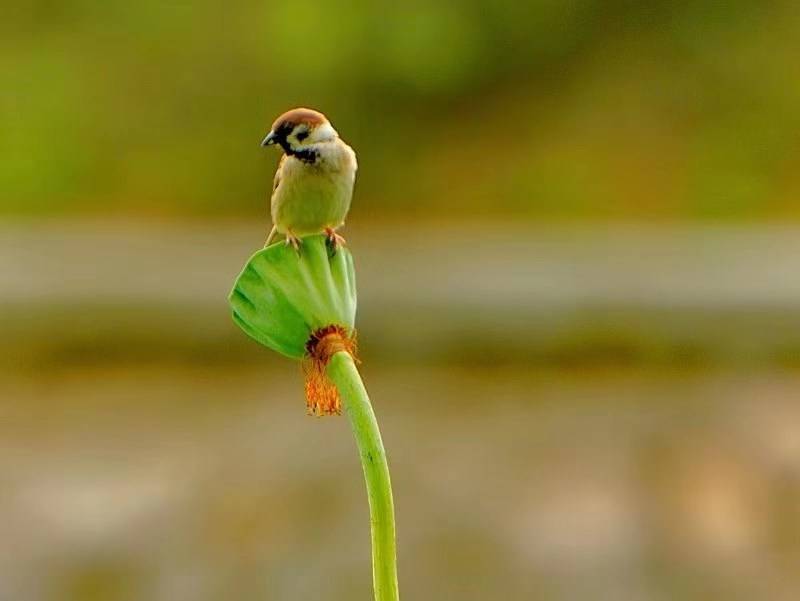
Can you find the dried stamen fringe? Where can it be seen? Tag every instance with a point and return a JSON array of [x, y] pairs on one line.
[[322, 397]]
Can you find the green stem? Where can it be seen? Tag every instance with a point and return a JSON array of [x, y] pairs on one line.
[[342, 370]]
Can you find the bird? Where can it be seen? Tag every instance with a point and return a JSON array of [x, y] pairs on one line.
[[313, 185]]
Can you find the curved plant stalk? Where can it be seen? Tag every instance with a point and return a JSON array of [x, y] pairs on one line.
[[303, 306], [342, 370]]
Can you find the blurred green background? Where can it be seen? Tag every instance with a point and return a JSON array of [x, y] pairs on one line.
[[556, 109], [577, 241]]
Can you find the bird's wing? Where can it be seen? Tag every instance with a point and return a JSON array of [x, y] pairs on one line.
[[277, 181]]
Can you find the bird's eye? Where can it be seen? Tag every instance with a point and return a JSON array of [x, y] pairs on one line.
[[301, 136]]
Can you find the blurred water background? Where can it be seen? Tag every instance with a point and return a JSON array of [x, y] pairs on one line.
[[577, 240]]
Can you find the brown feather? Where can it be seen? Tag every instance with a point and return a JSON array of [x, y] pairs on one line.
[[291, 118], [277, 180]]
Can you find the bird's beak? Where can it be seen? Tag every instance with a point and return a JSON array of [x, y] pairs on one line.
[[271, 139]]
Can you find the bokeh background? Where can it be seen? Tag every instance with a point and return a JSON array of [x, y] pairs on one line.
[[577, 236]]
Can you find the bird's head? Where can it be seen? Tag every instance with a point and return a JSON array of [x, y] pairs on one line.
[[299, 128]]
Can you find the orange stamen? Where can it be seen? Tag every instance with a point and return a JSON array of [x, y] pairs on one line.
[[322, 397]]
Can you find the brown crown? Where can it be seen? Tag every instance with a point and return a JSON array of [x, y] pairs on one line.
[[290, 119]]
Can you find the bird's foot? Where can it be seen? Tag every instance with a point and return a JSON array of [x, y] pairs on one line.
[[334, 240], [272, 233], [293, 241]]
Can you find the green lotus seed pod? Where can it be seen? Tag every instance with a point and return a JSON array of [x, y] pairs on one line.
[[282, 297]]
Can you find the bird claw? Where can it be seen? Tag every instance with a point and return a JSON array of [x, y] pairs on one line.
[[294, 242], [333, 241]]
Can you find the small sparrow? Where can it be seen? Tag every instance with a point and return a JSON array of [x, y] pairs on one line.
[[314, 181]]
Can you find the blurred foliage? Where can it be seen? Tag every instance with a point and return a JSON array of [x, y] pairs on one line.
[[587, 108]]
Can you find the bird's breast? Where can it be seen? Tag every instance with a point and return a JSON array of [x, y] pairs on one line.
[[311, 197]]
